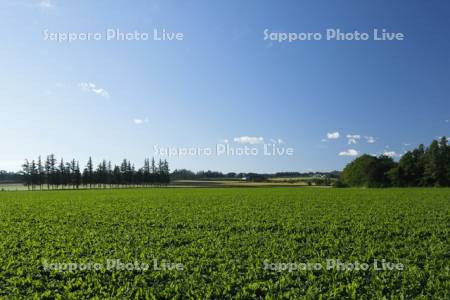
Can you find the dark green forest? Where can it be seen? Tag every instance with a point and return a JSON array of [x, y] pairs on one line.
[[421, 167]]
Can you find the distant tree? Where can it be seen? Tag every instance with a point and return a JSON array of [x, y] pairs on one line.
[[85, 177], [368, 171], [77, 176], [116, 176], [382, 167], [357, 173], [61, 173], [432, 170], [211, 174], [50, 170], [89, 179], [69, 175], [443, 163], [34, 174], [419, 167], [101, 174], [446, 160], [183, 174], [139, 177], [40, 173], [410, 169], [153, 177], [125, 178], [109, 173], [146, 172], [255, 177], [132, 173], [26, 171], [437, 164], [416, 178], [11, 177], [160, 173], [395, 176], [165, 173]]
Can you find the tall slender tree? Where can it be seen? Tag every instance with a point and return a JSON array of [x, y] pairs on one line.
[[90, 172], [26, 171], [40, 173]]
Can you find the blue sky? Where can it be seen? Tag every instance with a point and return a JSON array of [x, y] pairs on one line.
[[223, 81]]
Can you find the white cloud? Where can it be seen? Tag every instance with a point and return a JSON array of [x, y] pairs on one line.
[[140, 121], [91, 87], [249, 140], [333, 135], [324, 140], [353, 138], [349, 152], [406, 144], [370, 139], [446, 121], [224, 141], [390, 153]]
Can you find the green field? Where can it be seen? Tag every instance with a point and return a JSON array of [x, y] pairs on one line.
[[224, 239]]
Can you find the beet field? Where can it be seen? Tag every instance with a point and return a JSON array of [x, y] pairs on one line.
[[244, 243]]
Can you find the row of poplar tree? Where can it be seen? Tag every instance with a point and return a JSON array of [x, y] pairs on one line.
[[54, 174]]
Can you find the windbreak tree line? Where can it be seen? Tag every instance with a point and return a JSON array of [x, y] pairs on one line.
[[421, 167], [6, 177], [184, 174], [54, 174]]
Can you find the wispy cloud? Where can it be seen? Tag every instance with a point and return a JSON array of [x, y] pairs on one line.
[[353, 138], [249, 140], [370, 139], [91, 87], [333, 135], [349, 152], [138, 121]]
